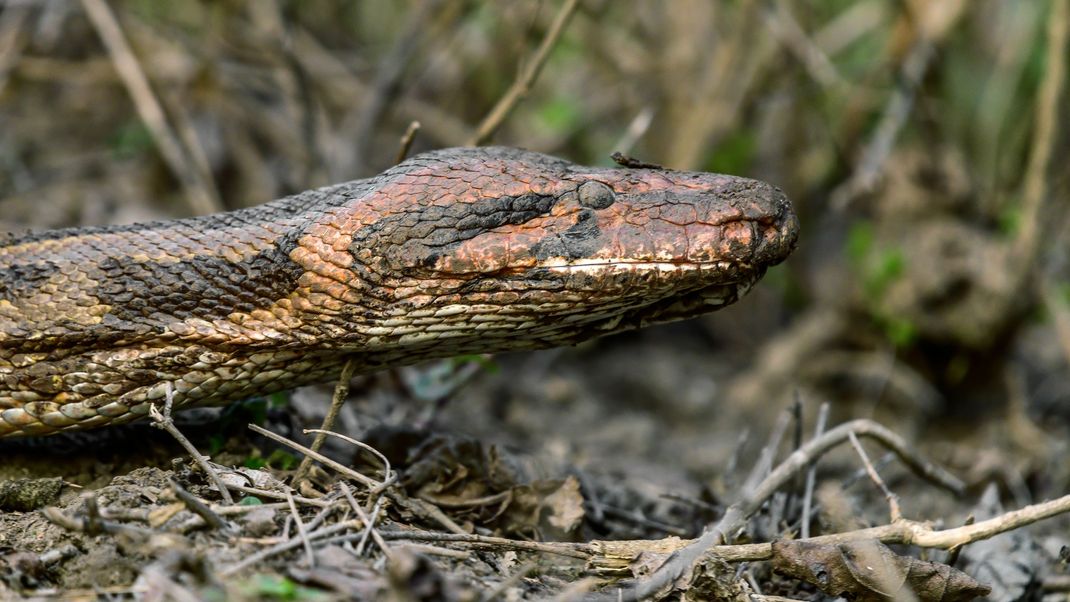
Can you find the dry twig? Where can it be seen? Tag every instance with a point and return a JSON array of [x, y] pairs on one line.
[[788, 32], [201, 193], [811, 473], [427, 511], [369, 524], [893, 499], [290, 544], [342, 468], [301, 533], [738, 513], [275, 495], [341, 391], [373, 519], [525, 78], [574, 550], [246, 508], [198, 507], [93, 524], [904, 531], [389, 476], [388, 78], [930, 31], [164, 421], [1049, 108], [761, 468], [406, 141]]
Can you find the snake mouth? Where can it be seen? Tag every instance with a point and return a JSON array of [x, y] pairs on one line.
[[626, 265], [674, 278], [678, 289]]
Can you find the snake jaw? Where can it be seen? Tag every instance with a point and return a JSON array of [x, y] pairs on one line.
[[696, 303], [681, 305]]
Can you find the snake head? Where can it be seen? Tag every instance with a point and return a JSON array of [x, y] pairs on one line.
[[673, 244], [501, 242]]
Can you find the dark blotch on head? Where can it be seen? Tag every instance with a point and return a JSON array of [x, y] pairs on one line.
[[418, 236], [579, 241]]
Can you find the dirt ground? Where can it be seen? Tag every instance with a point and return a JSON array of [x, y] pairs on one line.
[[923, 144]]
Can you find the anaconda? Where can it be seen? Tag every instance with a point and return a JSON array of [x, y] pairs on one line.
[[457, 251]]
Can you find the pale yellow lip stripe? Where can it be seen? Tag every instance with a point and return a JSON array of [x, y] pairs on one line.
[[628, 264]]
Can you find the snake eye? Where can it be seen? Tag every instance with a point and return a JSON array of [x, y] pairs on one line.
[[595, 195]]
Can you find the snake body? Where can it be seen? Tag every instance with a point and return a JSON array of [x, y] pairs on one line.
[[452, 252]]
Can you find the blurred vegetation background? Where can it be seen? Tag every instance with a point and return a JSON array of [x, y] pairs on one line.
[[922, 141]]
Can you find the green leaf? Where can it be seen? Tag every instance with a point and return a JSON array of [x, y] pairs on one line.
[[279, 400], [1010, 220], [282, 460], [560, 115], [215, 444], [279, 588], [876, 268], [487, 363], [1063, 289], [901, 333], [734, 154], [859, 241], [130, 140], [272, 585], [885, 269]]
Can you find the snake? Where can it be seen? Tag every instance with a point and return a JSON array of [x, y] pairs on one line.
[[452, 252]]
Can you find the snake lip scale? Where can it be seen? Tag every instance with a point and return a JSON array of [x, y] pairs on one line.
[[456, 251]]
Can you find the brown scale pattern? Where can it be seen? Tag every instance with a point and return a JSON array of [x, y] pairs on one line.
[[451, 252]]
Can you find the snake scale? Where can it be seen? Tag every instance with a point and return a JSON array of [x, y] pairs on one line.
[[457, 251]]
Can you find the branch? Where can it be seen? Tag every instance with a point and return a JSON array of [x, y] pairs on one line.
[[203, 198], [163, 420], [1045, 135], [526, 78], [338, 398], [737, 514], [609, 555]]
